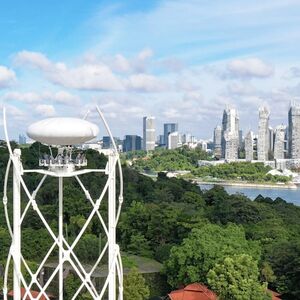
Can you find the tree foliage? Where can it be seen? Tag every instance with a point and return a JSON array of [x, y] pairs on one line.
[[135, 287], [236, 277]]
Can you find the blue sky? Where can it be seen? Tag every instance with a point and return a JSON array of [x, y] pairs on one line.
[[181, 61]]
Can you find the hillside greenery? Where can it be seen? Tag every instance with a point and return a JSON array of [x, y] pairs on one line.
[[197, 235], [185, 159]]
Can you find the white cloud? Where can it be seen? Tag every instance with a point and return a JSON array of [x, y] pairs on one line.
[[7, 77], [45, 110], [294, 72], [28, 97], [240, 88], [86, 76], [60, 97], [34, 59], [248, 68], [146, 83]]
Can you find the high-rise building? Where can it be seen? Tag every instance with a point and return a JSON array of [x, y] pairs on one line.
[[169, 128], [186, 138], [241, 141], [218, 141], [271, 139], [173, 140], [22, 139], [294, 132], [280, 142], [230, 134], [263, 134], [148, 133], [132, 143], [107, 143], [249, 146]]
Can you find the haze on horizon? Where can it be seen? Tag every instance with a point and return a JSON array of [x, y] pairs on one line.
[[180, 61]]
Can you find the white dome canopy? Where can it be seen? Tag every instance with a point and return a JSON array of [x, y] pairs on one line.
[[62, 131]]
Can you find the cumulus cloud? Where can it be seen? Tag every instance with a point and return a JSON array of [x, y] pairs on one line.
[[294, 72], [45, 110], [248, 68], [86, 76], [60, 97], [240, 89], [7, 77], [145, 83], [33, 59], [28, 97]]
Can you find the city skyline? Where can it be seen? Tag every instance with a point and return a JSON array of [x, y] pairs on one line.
[[60, 62]]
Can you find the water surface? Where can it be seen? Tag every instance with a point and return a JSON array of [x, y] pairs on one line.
[[289, 195]]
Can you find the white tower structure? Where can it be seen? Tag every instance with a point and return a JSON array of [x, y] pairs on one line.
[[64, 132]]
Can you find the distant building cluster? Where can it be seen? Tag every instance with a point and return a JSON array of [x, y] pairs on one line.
[[269, 144]]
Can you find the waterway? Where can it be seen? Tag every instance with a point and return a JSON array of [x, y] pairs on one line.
[[289, 195]]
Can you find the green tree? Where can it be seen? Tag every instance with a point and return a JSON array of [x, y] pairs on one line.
[[135, 287], [236, 278], [202, 249]]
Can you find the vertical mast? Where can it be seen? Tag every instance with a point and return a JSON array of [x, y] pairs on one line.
[[17, 223], [112, 225], [60, 237]]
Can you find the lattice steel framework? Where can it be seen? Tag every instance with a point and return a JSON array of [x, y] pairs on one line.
[[114, 277]]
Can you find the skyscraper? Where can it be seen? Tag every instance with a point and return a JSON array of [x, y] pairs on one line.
[[249, 146], [263, 134], [132, 143], [218, 141], [22, 139], [230, 134], [271, 139], [294, 132], [148, 133], [280, 142], [174, 140], [169, 128]]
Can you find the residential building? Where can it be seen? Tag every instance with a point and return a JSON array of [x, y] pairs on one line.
[[107, 143], [186, 138], [132, 143], [169, 128], [218, 141], [263, 134], [249, 146], [173, 140], [161, 140], [271, 139], [294, 131], [22, 139], [148, 133], [230, 134], [280, 143]]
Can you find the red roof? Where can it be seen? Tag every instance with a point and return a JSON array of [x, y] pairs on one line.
[[34, 294], [194, 291], [275, 295]]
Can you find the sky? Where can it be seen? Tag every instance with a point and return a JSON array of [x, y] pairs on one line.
[[180, 61]]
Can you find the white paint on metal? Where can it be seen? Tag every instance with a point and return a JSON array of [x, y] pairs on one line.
[[66, 250], [62, 131]]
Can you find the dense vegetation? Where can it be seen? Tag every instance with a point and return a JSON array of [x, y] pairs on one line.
[[206, 236], [245, 171], [187, 159], [169, 160]]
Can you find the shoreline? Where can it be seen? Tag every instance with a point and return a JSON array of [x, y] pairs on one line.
[[290, 186]]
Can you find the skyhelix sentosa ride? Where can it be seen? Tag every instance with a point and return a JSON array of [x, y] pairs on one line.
[[64, 133]]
